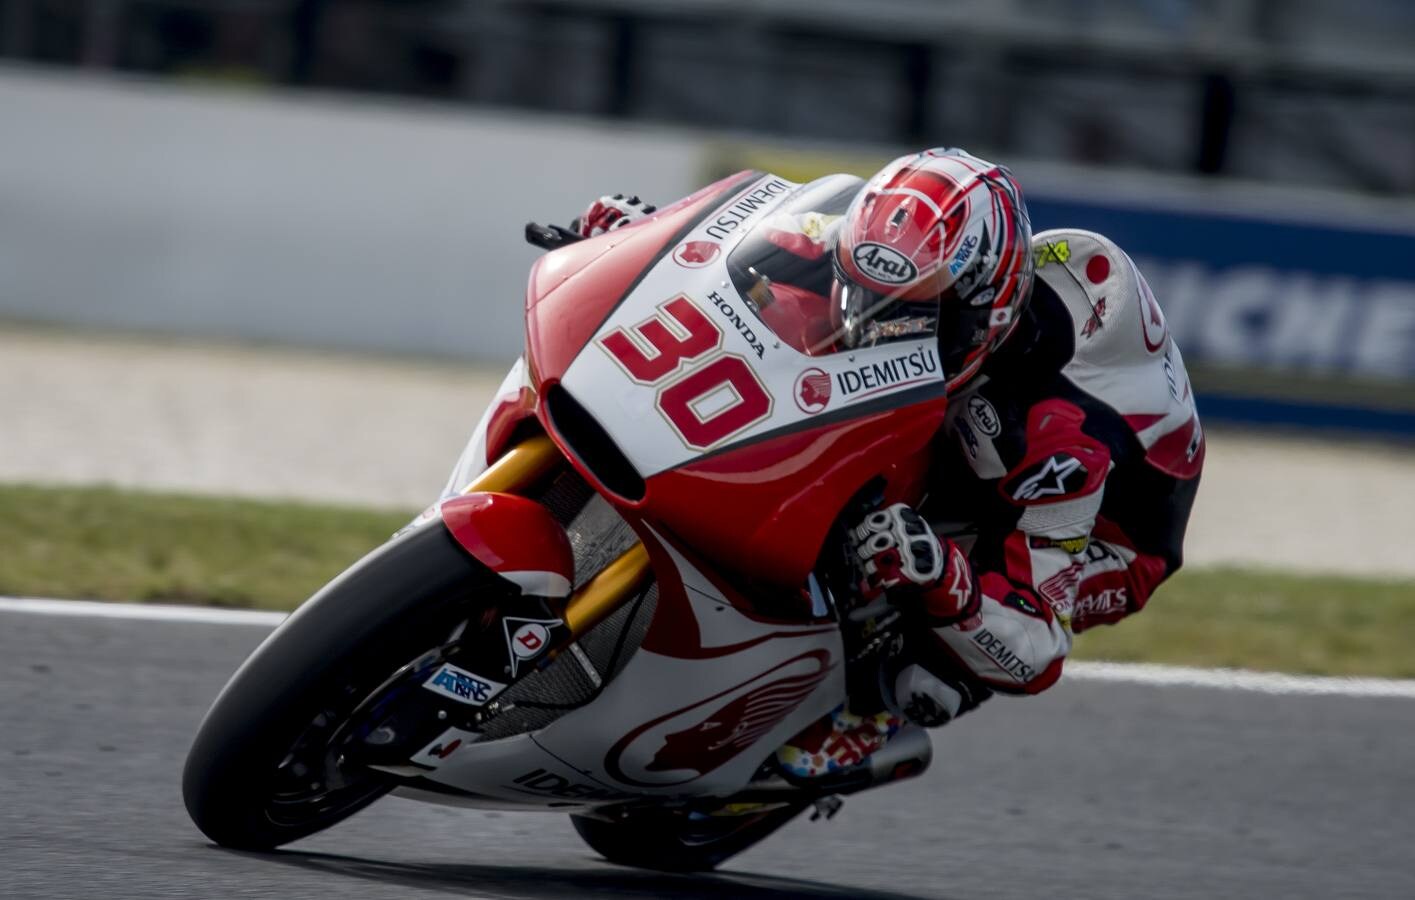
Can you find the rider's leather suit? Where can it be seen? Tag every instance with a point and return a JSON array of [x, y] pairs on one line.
[[1066, 470]]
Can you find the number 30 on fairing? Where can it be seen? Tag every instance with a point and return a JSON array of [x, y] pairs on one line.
[[716, 397]]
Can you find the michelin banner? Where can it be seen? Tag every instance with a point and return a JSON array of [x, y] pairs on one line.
[[1276, 295], [1299, 302]]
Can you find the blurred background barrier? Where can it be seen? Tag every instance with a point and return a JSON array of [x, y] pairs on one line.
[[305, 221], [1307, 91], [1257, 158]]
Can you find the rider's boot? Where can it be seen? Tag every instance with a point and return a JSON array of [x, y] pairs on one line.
[[904, 690], [840, 740], [928, 697]]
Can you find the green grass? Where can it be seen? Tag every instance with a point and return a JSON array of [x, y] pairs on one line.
[[1248, 619], [118, 545], [106, 544]]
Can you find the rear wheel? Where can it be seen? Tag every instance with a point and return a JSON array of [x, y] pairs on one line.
[[677, 841], [266, 767]]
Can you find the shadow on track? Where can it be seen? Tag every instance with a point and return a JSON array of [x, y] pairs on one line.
[[548, 883]]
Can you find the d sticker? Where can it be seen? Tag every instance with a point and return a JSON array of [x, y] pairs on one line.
[[526, 639]]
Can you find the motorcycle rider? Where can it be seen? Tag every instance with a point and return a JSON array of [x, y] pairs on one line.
[[1071, 450]]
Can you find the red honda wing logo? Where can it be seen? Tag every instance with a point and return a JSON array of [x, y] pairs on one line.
[[812, 391], [688, 741], [696, 254]]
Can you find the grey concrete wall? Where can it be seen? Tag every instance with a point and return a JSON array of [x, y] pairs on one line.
[[305, 220]]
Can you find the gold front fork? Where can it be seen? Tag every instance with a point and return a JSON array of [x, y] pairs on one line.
[[595, 600], [517, 468]]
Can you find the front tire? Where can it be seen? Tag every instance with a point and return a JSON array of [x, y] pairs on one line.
[[672, 841], [256, 777]]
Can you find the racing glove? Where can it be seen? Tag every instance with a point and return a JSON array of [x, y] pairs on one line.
[[609, 213], [897, 555]]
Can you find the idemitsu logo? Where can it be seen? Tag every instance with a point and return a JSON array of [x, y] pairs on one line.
[[906, 368]]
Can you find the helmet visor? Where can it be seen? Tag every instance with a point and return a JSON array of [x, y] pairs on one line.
[[870, 318]]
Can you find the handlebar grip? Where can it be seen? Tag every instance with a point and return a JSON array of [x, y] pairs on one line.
[[550, 237]]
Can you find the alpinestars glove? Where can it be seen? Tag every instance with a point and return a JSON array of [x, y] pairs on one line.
[[896, 554], [610, 213]]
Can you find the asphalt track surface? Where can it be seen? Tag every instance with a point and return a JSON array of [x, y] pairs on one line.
[[1094, 790]]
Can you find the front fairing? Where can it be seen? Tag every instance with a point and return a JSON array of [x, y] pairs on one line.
[[743, 444], [718, 681]]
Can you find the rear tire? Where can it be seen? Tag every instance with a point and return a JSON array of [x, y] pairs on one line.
[[242, 783], [669, 841]]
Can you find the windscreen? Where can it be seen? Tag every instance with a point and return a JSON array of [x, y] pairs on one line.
[[787, 269]]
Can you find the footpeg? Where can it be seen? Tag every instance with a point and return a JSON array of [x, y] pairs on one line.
[[827, 807]]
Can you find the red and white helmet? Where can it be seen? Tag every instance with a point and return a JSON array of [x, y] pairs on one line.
[[937, 241]]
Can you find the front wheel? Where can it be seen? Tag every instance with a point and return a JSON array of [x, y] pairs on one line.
[[678, 841], [265, 768]]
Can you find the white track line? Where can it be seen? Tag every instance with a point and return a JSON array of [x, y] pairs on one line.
[[1240, 680], [148, 612], [1130, 673]]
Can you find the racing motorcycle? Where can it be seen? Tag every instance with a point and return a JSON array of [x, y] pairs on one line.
[[634, 589]]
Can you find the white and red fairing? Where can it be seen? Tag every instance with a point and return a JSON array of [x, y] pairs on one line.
[[748, 450]]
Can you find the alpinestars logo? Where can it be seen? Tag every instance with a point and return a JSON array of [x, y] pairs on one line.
[[1056, 478], [961, 587]]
